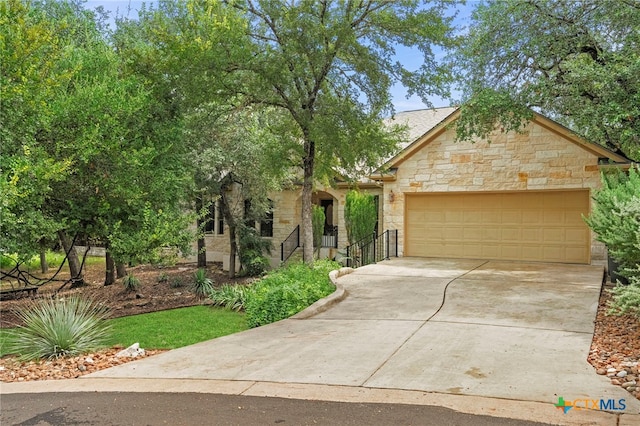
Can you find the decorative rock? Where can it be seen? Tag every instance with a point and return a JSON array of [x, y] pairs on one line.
[[81, 367], [601, 371], [89, 360], [132, 351], [611, 370], [615, 382], [621, 374], [626, 385]]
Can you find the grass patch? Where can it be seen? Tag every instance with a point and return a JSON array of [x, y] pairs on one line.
[[54, 259], [176, 327], [165, 329]]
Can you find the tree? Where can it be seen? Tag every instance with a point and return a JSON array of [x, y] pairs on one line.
[[577, 62], [100, 155], [329, 65], [243, 155], [29, 76]]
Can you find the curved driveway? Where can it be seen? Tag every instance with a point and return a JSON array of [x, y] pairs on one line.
[[519, 331]]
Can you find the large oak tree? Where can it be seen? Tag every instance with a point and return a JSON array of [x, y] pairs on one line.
[[576, 61], [330, 66]]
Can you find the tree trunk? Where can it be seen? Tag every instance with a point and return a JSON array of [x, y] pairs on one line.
[[121, 270], [307, 192], [44, 266], [72, 259], [110, 268], [231, 223], [202, 248]]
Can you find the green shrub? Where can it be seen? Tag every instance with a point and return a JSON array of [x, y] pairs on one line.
[[231, 297], [59, 327], [318, 220], [131, 283], [176, 283], [163, 277], [251, 251], [287, 291], [202, 285], [616, 218], [360, 215], [626, 298]]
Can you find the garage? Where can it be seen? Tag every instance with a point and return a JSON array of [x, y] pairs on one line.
[[545, 226]]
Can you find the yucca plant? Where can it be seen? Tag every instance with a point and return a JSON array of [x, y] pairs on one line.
[[60, 327], [202, 285]]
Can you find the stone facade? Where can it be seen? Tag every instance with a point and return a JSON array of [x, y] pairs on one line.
[[545, 156], [287, 213], [537, 159]]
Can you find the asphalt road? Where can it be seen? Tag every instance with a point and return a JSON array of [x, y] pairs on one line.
[[106, 408]]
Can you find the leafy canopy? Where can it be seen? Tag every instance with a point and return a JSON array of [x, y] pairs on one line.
[[575, 61]]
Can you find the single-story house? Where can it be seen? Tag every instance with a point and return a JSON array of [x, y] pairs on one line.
[[517, 196]]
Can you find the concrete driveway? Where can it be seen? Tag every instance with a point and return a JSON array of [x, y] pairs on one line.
[[519, 331]]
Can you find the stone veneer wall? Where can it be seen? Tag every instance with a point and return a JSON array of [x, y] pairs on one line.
[[538, 159], [286, 216]]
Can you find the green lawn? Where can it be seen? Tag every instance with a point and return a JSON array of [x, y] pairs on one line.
[[176, 327], [169, 329]]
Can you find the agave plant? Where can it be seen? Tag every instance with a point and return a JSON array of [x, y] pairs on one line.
[[60, 327]]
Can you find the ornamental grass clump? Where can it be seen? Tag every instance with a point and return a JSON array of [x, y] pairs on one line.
[[231, 297], [60, 327], [202, 285]]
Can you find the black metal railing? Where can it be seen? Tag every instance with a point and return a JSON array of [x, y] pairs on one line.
[[330, 237], [290, 244], [373, 248]]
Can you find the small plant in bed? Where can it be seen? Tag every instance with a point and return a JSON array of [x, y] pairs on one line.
[[131, 283], [232, 297], [202, 285], [59, 327]]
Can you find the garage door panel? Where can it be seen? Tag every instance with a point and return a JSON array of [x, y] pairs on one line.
[[537, 226]]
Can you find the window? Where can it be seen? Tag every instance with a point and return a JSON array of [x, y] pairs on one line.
[[210, 219], [220, 218], [266, 224]]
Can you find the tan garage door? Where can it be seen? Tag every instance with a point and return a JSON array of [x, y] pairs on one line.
[[542, 226]]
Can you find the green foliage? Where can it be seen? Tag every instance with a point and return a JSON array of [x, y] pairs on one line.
[[252, 248], [59, 327], [626, 298], [175, 328], [54, 259], [575, 61], [616, 217], [287, 291], [202, 285], [360, 215], [131, 283], [318, 219], [176, 283], [616, 220], [232, 297], [163, 277]]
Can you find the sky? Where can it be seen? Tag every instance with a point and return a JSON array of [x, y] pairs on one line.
[[407, 57]]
